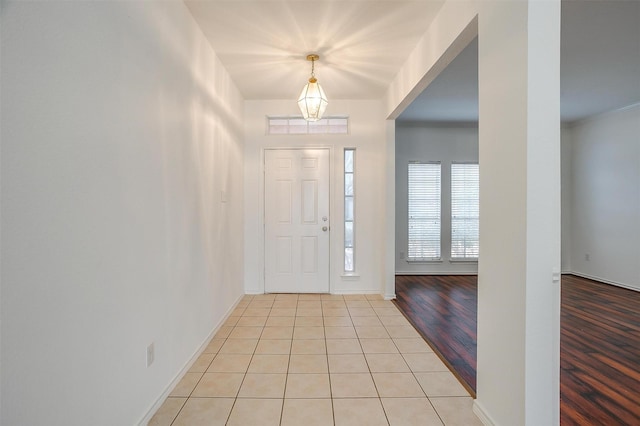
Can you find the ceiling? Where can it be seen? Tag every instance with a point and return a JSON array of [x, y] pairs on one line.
[[600, 57], [599, 67], [453, 95], [363, 44]]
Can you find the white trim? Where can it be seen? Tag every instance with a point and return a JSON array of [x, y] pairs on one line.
[[605, 281], [465, 124], [187, 366], [584, 120], [388, 279], [357, 291], [426, 261], [390, 296], [436, 272], [350, 277], [463, 260], [482, 414]]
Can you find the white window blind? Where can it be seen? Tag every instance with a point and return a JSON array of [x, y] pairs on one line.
[[465, 211], [424, 211]]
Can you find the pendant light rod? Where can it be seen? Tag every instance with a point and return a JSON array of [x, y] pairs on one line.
[[313, 58]]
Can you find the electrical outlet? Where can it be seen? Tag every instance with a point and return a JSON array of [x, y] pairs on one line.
[[150, 354], [587, 257], [401, 255]]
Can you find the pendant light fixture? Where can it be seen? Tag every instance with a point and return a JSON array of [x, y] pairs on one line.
[[312, 100]]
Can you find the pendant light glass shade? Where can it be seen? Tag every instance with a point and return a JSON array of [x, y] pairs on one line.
[[312, 101]]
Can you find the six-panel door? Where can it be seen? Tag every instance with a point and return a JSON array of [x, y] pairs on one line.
[[296, 198]]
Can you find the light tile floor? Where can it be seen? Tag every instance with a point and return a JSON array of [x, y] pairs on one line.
[[310, 359]]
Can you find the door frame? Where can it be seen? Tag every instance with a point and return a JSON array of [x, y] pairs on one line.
[[332, 208]]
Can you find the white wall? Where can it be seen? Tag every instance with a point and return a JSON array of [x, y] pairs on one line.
[[520, 212], [421, 142], [367, 136], [519, 150], [605, 203], [120, 129]]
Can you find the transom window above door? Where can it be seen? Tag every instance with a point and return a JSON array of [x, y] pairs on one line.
[[338, 125]]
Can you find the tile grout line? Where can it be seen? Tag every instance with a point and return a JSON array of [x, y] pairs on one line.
[[238, 391], [235, 399], [382, 322], [324, 318], [179, 411], [414, 374], [326, 351], [286, 377], [370, 372], [202, 376]]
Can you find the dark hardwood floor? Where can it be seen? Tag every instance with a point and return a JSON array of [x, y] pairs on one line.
[[444, 309], [599, 354], [599, 342]]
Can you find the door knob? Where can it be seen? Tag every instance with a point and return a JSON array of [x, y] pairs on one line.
[[324, 228]]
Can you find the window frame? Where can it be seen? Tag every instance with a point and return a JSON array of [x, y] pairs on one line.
[[346, 219], [297, 125]]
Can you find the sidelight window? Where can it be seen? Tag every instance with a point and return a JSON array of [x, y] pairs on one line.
[[349, 210]]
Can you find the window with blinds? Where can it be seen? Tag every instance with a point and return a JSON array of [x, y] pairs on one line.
[[465, 211], [424, 211]]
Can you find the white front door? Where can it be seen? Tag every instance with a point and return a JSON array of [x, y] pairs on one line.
[[296, 195]]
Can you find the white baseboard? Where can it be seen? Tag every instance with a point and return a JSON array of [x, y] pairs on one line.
[[187, 366], [481, 413], [603, 280], [435, 273], [347, 292], [391, 296]]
